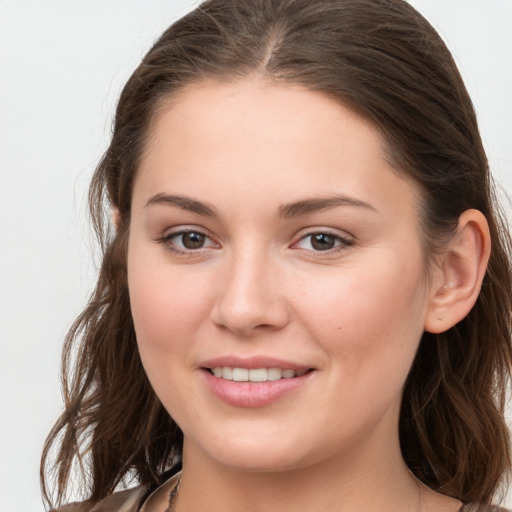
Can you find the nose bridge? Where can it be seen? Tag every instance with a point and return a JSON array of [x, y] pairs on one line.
[[249, 293]]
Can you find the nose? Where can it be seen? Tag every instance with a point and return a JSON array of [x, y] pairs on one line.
[[249, 298]]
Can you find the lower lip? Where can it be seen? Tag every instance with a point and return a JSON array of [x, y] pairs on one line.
[[252, 394]]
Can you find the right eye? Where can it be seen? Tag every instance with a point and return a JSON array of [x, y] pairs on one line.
[[187, 241]]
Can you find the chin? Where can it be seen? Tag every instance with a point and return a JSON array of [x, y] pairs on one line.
[[252, 454]]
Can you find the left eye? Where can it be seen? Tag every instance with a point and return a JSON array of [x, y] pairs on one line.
[[321, 242]]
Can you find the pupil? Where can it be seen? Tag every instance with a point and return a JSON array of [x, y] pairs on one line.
[[193, 240], [322, 242]]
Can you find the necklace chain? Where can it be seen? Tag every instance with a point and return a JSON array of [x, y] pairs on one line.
[[172, 496], [420, 489]]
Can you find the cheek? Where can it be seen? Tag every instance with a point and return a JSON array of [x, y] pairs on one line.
[[168, 310], [167, 306], [373, 311]]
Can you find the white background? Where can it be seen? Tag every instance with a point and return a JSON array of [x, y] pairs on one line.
[[62, 64]]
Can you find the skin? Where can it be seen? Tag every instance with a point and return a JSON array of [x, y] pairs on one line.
[[353, 314]]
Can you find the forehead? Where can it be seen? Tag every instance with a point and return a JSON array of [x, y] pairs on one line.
[[259, 136], [257, 107]]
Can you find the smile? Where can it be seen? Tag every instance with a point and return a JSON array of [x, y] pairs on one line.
[[254, 387], [255, 374]]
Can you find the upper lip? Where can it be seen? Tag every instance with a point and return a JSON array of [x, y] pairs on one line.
[[253, 363]]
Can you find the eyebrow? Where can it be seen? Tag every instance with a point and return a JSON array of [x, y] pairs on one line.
[[307, 206], [185, 203], [290, 210]]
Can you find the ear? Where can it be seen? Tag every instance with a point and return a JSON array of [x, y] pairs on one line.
[[459, 274], [116, 218]]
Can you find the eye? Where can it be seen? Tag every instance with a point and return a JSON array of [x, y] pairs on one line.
[[322, 242], [191, 240], [187, 241]]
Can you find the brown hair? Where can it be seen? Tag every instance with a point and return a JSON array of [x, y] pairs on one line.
[[384, 60]]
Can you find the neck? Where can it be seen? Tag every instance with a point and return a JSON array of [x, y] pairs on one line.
[[353, 482]]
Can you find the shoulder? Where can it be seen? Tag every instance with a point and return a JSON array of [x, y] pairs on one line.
[[475, 507], [129, 500], [122, 501]]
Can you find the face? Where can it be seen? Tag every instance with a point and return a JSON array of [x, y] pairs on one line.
[[276, 274]]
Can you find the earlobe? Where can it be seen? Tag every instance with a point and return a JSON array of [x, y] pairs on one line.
[[461, 270]]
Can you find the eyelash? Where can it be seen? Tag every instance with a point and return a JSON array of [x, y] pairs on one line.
[[342, 242], [167, 241]]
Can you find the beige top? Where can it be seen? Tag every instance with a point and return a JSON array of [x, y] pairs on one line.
[[132, 500]]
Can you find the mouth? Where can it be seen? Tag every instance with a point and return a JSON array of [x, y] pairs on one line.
[[256, 384], [255, 374]]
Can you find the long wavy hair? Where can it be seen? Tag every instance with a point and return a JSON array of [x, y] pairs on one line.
[[384, 60]]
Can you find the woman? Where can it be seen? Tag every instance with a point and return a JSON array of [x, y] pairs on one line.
[[307, 299]]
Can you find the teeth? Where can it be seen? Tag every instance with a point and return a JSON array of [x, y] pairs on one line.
[[240, 374], [255, 375], [227, 373], [258, 375], [274, 373]]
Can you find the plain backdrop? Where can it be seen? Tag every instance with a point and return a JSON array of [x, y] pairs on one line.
[[62, 64]]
